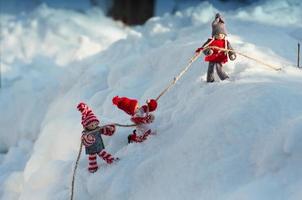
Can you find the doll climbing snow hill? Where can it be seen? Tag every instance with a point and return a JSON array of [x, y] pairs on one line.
[[140, 116], [216, 57], [92, 139]]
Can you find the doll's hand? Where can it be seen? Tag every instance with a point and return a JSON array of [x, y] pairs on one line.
[[108, 130], [198, 50], [111, 127], [208, 52], [232, 57]]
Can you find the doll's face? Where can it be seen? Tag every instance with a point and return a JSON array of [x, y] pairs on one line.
[[92, 125], [136, 108], [220, 36]]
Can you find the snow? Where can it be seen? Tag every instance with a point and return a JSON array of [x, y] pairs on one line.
[[236, 139], [26, 6]]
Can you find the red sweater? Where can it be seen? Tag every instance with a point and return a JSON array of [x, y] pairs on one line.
[[217, 56], [141, 117]]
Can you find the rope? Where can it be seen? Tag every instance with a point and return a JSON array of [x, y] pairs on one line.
[[172, 83], [75, 169], [249, 57], [175, 79], [178, 76], [124, 125]]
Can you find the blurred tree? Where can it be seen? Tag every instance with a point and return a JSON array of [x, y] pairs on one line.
[[132, 12], [94, 2], [240, 1]]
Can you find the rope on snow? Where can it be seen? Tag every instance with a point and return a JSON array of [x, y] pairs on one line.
[[176, 78], [246, 56], [173, 82], [75, 169]]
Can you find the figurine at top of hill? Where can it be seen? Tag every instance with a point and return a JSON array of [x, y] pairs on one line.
[[140, 116], [217, 57], [92, 139]]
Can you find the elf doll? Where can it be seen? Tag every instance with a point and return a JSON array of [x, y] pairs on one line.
[[140, 116], [92, 139], [214, 56]]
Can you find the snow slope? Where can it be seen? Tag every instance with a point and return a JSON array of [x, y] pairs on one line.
[[38, 55], [237, 139]]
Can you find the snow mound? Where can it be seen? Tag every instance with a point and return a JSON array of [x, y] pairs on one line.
[[236, 139]]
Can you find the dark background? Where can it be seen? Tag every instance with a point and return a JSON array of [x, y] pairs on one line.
[[131, 12]]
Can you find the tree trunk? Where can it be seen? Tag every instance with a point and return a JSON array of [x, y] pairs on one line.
[[132, 12]]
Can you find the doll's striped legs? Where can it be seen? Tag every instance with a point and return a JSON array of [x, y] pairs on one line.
[[92, 163], [107, 157], [138, 138], [92, 160]]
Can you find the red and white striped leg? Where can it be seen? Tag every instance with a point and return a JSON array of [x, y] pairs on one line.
[[107, 157], [143, 137], [92, 165]]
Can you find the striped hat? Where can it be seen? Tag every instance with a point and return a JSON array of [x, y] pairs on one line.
[[87, 114]]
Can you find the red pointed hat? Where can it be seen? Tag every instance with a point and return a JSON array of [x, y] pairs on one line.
[[87, 114], [125, 104]]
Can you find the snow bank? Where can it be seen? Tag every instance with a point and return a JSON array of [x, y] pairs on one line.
[[39, 52], [41, 58], [236, 139], [26, 6], [280, 13]]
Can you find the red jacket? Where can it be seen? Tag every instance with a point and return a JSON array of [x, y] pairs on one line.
[[217, 56], [141, 116]]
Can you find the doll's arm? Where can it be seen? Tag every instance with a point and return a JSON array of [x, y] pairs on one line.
[[87, 139], [232, 55], [108, 130], [143, 116], [143, 120], [139, 120], [207, 51], [150, 106]]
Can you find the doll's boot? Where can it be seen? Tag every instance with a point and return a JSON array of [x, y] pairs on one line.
[[107, 157]]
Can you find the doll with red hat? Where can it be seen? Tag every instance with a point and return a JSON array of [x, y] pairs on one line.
[[140, 116], [214, 56], [92, 139]]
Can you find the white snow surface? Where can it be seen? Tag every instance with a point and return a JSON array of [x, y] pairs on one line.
[[230, 140]]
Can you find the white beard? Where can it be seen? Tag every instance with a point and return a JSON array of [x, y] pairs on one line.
[[141, 128]]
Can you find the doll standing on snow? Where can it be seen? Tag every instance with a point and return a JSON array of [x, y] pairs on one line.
[[217, 57], [140, 116], [92, 139]]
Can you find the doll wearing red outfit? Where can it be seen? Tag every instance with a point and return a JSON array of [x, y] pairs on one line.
[[215, 57], [140, 116]]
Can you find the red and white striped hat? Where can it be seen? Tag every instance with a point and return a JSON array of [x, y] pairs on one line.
[[87, 114]]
